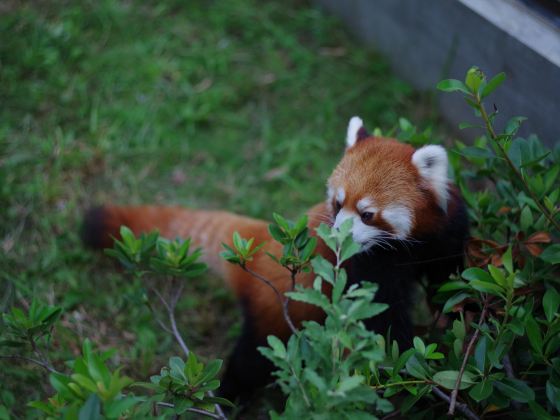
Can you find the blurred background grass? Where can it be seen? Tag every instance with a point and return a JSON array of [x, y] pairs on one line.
[[238, 104]]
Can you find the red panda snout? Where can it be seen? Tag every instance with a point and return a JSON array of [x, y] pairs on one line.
[[372, 225]]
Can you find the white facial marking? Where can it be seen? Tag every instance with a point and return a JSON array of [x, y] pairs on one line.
[[340, 195], [330, 193], [366, 204], [431, 162], [361, 233], [354, 126], [400, 217]]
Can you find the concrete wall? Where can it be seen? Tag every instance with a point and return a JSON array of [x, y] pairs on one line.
[[427, 40]]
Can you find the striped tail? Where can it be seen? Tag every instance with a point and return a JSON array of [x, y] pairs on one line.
[[207, 229]]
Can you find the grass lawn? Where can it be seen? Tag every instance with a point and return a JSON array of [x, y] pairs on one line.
[[238, 104]]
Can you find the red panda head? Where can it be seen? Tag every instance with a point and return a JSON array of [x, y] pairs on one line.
[[389, 189]]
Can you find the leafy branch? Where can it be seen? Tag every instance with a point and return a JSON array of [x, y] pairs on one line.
[[475, 89]]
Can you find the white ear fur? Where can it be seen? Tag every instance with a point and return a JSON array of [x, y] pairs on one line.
[[431, 162], [354, 126]]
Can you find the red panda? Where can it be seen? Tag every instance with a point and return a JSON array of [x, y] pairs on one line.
[[407, 216]]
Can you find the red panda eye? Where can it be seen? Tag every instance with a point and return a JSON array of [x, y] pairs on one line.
[[366, 216]]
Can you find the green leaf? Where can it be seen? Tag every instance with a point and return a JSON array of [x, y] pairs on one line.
[[452, 85], [465, 125], [451, 286], [551, 254], [451, 302], [448, 379], [551, 302], [193, 368], [515, 389], [91, 410], [238, 243], [485, 287], [84, 382], [534, 334], [211, 370], [114, 409], [177, 368], [513, 125], [526, 219], [476, 152], [127, 236], [366, 310], [481, 391], [219, 400], [98, 370], [419, 345], [314, 297], [475, 273], [308, 249], [417, 367], [475, 79], [339, 286], [498, 276], [493, 84], [315, 379], [277, 346], [553, 394], [539, 412], [458, 329], [281, 221], [350, 383], [276, 233], [349, 249], [480, 353], [323, 268], [507, 260]]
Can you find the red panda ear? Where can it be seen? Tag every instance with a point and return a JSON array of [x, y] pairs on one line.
[[355, 132], [431, 162]]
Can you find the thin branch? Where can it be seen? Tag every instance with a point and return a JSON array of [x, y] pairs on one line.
[[43, 358], [281, 299], [45, 365], [510, 374], [170, 307], [287, 300], [159, 321], [177, 334], [192, 410], [513, 168], [463, 408], [472, 341]]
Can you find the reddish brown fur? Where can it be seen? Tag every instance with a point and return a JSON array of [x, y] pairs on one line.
[[382, 169], [208, 230], [374, 167]]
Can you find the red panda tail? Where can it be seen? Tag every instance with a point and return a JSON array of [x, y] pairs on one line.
[[207, 229], [102, 224]]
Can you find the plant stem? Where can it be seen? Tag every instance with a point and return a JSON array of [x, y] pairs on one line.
[[44, 359], [463, 408], [516, 172], [383, 386], [170, 307], [192, 410], [510, 374], [45, 365], [281, 299], [172, 321], [472, 341]]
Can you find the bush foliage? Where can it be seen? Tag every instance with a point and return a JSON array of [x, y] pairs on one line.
[[498, 356]]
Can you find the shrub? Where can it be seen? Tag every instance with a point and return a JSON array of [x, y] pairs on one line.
[[501, 353], [498, 356]]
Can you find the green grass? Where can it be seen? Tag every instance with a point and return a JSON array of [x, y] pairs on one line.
[[238, 104]]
